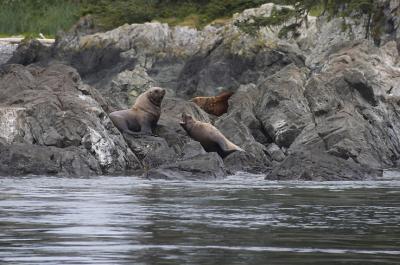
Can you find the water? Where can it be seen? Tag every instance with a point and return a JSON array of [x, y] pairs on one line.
[[240, 220]]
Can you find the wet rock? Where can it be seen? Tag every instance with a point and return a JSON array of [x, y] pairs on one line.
[[308, 165], [201, 167], [246, 162]]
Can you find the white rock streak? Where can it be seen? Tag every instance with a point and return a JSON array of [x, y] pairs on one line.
[[101, 147], [10, 123]]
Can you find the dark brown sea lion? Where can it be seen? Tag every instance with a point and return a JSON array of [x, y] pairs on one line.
[[217, 105], [209, 137], [142, 118]]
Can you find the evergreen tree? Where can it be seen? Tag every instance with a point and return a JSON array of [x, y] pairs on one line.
[[370, 11]]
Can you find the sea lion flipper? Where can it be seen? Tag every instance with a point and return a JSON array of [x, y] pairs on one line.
[[227, 147]]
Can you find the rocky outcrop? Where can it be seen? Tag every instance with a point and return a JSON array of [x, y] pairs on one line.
[[321, 106], [52, 124]]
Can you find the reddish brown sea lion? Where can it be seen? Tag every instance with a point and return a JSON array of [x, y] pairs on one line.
[[209, 137], [217, 105], [142, 118]]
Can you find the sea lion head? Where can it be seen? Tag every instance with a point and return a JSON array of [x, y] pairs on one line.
[[156, 95], [187, 121]]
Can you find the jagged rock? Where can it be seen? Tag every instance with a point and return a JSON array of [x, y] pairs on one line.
[[254, 158], [51, 112], [354, 133], [282, 109]]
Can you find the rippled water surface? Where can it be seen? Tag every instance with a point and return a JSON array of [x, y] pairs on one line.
[[240, 220]]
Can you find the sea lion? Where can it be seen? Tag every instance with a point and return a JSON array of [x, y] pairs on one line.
[[209, 137], [216, 105], [142, 118]]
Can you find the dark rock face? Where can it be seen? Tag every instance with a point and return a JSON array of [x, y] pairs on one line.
[[30, 52], [299, 113], [220, 67]]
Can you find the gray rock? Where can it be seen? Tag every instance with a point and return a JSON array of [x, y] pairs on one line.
[[353, 133], [30, 51], [192, 149], [152, 151], [311, 165], [51, 108], [201, 167], [282, 108], [275, 152], [247, 162], [24, 159]]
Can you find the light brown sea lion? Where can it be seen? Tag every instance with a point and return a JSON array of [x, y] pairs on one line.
[[217, 105], [209, 137], [142, 118]]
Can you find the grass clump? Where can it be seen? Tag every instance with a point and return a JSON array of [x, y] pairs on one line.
[[194, 13], [31, 17]]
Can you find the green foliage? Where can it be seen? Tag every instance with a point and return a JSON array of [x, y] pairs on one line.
[[277, 17], [110, 14], [49, 16], [30, 17], [356, 9]]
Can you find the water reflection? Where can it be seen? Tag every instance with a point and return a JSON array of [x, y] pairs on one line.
[[241, 220]]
